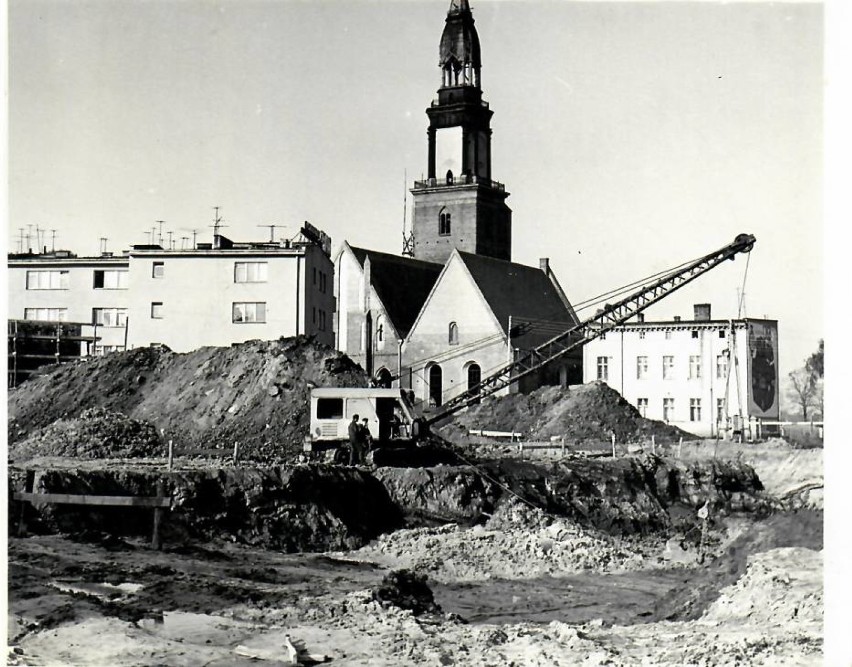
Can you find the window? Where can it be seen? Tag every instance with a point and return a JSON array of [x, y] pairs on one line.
[[721, 333], [668, 409], [321, 318], [695, 333], [720, 410], [668, 335], [453, 334], [722, 366], [641, 335], [695, 409], [444, 223], [47, 279], [46, 314], [668, 368], [642, 406], [157, 270], [603, 368], [250, 272], [110, 279], [254, 312], [641, 368], [109, 317], [329, 408], [323, 282], [157, 310], [694, 367]]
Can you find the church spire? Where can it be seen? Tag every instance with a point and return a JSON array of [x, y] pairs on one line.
[[459, 57]]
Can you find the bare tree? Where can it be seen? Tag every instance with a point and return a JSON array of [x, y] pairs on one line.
[[803, 389]]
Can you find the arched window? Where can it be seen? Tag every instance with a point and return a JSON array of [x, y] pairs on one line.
[[435, 386], [453, 334], [474, 377], [384, 378], [444, 221]]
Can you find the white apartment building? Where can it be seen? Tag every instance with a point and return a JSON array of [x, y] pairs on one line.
[[59, 287], [705, 376], [215, 294]]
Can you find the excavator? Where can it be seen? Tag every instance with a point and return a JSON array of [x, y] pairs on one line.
[[391, 416]]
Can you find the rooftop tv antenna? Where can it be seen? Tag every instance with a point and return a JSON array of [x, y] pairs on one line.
[[272, 231], [20, 239], [171, 243], [217, 221], [53, 240], [160, 236]]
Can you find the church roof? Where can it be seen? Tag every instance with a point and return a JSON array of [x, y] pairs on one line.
[[524, 292], [402, 283]]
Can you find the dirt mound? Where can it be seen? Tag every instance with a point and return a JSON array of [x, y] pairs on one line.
[[255, 393], [803, 528], [589, 412], [95, 434]]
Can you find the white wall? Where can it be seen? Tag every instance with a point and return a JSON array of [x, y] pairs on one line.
[[198, 291], [622, 347], [80, 297], [455, 299]]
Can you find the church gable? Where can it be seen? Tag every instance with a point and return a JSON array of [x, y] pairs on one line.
[[454, 299]]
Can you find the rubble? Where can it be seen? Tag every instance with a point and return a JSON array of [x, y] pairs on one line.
[[590, 412], [209, 398]]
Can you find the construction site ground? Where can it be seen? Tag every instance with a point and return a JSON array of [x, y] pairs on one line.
[[554, 559]]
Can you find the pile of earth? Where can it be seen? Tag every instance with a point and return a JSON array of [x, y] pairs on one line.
[[254, 393], [580, 413], [95, 434]]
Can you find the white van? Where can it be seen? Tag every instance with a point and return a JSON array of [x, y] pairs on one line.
[[388, 412]]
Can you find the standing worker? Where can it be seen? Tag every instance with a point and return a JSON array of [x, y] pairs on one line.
[[354, 441]]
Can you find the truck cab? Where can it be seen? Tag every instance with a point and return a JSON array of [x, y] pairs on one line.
[[389, 415]]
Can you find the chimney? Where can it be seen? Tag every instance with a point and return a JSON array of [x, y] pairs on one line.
[[677, 318], [544, 264], [702, 312], [640, 317]]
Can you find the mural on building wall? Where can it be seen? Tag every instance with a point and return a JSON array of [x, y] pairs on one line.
[[763, 369]]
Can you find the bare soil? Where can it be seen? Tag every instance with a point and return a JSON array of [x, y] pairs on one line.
[[255, 393]]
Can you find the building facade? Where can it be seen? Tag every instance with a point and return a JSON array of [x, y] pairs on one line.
[[215, 294], [480, 315], [708, 377], [59, 287]]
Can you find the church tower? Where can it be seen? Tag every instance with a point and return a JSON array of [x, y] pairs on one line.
[[459, 205]]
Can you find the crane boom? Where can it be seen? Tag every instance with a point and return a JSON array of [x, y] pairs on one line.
[[611, 316]]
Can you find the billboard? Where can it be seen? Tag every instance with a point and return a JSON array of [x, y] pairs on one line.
[[763, 381]]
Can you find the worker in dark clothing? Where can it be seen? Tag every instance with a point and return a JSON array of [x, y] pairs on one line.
[[354, 441], [366, 438]]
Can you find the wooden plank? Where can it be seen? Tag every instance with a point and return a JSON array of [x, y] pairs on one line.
[[83, 499]]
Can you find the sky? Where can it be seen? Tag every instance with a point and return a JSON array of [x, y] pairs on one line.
[[632, 136]]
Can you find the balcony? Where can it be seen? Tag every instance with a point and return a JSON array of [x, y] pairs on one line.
[[459, 180]]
